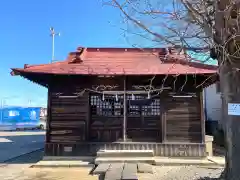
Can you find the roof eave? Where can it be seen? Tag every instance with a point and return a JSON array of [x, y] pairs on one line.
[[15, 72]]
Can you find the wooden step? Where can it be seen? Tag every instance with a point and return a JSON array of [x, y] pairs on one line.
[[148, 160], [124, 153]]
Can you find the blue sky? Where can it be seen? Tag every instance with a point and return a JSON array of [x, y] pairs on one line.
[[25, 39]]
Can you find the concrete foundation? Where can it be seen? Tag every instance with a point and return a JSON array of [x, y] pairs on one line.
[[209, 146]]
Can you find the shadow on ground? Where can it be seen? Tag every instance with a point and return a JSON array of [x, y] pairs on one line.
[[16, 143], [30, 158]]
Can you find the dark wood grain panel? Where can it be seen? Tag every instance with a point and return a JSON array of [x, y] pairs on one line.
[[69, 117], [183, 119], [62, 124]]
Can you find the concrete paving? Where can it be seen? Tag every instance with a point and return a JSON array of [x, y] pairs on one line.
[[17, 143], [54, 174]]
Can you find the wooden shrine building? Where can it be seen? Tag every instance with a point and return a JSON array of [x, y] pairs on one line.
[[124, 99]]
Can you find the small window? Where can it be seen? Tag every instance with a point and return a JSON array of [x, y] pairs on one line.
[[218, 89], [33, 115], [13, 113]]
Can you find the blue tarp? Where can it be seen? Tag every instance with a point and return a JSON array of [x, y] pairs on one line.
[[20, 116]]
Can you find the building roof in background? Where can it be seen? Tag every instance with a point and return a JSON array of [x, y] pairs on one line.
[[202, 57], [122, 61]]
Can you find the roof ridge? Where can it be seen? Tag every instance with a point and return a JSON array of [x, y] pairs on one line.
[[26, 66], [109, 61]]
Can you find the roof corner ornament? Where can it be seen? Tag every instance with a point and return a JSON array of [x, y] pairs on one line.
[[166, 56], [77, 55], [25, 66], [12, 73]]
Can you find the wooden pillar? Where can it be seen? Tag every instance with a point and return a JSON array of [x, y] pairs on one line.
[[124, 109], [49, 100], [48, 120], [163, 118], [202, 110]]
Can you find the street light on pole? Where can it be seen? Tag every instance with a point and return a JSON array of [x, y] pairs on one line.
[[53, 34]]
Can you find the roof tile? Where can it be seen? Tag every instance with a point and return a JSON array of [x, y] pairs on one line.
[[123, 61]]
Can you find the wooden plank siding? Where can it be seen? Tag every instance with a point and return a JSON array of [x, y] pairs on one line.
[[182, 116], [69, 118]]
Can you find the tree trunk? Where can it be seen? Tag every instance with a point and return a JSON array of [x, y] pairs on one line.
[[230, 82]]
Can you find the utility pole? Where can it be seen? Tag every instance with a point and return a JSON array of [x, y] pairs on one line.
[[29, 103], [53, 34]]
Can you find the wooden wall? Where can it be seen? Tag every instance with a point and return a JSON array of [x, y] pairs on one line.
[[182, 119], [68, 119], [71, 121], [178, 129]]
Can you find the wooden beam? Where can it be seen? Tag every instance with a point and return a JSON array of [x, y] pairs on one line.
[[130, 92]]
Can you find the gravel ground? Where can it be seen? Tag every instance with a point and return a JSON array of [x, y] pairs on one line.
[[182, 173], [193, 173]]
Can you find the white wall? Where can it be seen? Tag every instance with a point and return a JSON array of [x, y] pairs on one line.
[[213, 103]]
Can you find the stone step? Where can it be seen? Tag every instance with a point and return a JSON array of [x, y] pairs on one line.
[[61, 164], [125, 153], [149, 160], [69, 158]]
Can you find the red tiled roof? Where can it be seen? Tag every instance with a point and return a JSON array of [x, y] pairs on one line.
[[120, 61]]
